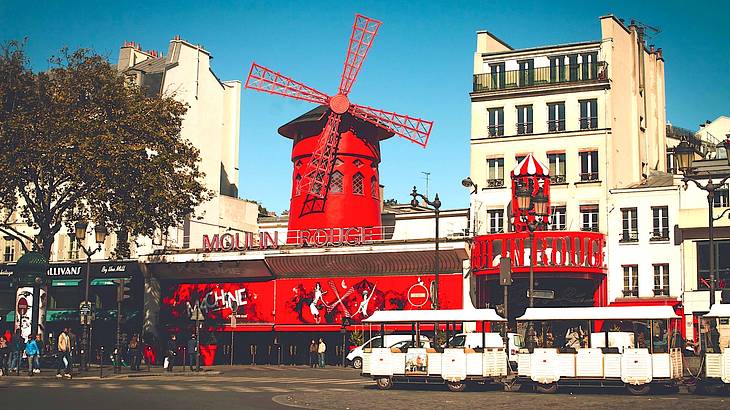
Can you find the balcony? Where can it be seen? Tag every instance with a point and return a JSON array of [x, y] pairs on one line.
[[629, 236], [588, 176], [557, 179], [495, 183], [541, 76]]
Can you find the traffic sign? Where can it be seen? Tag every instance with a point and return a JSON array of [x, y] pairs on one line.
[[542, 294], [418, 294], [85, 307], [22, 306]]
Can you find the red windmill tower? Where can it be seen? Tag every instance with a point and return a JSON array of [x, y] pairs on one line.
[[336, 146]]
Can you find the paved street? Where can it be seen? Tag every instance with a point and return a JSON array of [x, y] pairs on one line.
[[272, 387]]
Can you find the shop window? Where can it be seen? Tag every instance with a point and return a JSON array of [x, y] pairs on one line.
[[62, 298], [104, 297], [336, 182], [722, 264], [7, 299], [357, 184], [630, 231], [661, 279], [631, 280]]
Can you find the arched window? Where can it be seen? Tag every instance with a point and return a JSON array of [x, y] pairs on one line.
[[357, 184], [336, 181], [374, 188], [298, 185]]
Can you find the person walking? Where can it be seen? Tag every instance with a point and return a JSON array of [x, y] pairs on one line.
[[73, 351], [17, 345], [321, 349], [193, 352], [33, 351], [171, 352], [313, 348], [4, 350], [64, 355], [135, 353]]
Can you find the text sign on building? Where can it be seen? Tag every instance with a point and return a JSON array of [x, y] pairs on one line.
[[315, 238]]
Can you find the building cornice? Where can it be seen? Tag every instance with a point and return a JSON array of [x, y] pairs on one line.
[[542, 136], [540, 50], [552, 89]]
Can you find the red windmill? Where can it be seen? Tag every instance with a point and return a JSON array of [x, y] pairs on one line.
[[336, 148]]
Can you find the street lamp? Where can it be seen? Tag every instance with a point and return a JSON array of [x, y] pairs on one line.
[[471, 221], [684, 154], [435, 204], [100, 236], [538, 204]]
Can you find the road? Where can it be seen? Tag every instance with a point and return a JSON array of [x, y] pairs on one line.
[[274, 387]]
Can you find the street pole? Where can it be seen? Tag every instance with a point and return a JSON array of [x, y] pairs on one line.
[[531, 228], [197, 339], [117, 351], [711, 235], [85, 336], [437, 260]]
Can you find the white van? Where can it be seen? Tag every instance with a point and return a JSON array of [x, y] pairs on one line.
[[355, 356], [491, 340]]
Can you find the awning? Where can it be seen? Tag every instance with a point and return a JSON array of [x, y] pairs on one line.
[[719, 310], [444, 315], [600, 313], [65, 282]]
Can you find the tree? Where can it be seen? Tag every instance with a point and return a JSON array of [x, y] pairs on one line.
[[390, 202], [80, 143]]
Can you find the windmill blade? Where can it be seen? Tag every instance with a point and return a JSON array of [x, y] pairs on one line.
[[319, 169], [411, 128], [261, 78], [363, 34]]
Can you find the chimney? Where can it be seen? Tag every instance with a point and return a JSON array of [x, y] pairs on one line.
[[659, 53], [651, 48]]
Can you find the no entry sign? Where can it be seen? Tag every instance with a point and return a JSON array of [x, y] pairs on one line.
[[418, 294], [22, 306]]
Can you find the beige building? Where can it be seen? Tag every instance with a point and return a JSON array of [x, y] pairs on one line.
[[593, 111], [211, 123]]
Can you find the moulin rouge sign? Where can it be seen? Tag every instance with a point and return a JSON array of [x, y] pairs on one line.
[[316, 238]]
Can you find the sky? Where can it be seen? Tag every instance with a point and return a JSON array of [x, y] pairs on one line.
[[420, 64]]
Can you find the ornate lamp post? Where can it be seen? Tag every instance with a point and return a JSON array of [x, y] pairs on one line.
[[468, 183], [684, 154], [538, 204], [100, 236], [435, 204]]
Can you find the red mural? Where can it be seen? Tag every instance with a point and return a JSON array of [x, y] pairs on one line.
[[307, 300]]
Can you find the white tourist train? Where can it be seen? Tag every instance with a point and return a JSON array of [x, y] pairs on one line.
[[626, 346], [426, 363], [715, 346]]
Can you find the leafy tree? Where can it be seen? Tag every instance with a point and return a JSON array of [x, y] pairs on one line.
[[390, 202], [79, 142]]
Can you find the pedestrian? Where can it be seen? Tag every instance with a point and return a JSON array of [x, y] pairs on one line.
[[193, 352], [313, 348], [17, 345], [135, 353], [64, 354], [4, 350], [321, 349], [33, 351], [74, 348], [170, 353]]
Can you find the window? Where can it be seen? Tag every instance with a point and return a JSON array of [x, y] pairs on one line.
[[556, 117], [661, 279], [298, 185], [556, 163], [557, 218], [519, 158], [722, 264], [589, 166], [64, 297], [589, 68], [589, 217], [671, 167], [496, 220], [631, 280], [496, 122], [660, 222], [524, 119], [557, 69], [495, 173], [497, 75], [336, 182], [374, 188], [73, 248], [573, 67], [9, 254], [722, 198], [527, 72], [629, 232], [588, 114], [357, 184]]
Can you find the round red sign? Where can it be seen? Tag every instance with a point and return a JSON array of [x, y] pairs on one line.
[[418, 295], [22, 306]]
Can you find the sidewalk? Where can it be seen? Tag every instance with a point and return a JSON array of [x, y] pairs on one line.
[[93, 372]]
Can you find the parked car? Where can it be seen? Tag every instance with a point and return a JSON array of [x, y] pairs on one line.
[[474, 340], [355, 356]]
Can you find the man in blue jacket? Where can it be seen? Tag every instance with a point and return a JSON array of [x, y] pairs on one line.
[[17, 344], [33, 351]]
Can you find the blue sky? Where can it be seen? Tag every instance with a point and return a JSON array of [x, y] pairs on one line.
[[420, 64]]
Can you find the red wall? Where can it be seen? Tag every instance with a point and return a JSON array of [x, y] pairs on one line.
[[292, 301]]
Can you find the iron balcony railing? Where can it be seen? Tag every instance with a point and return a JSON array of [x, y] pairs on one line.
[[541, 76]]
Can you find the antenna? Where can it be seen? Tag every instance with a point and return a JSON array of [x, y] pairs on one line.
[[427, 175]]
